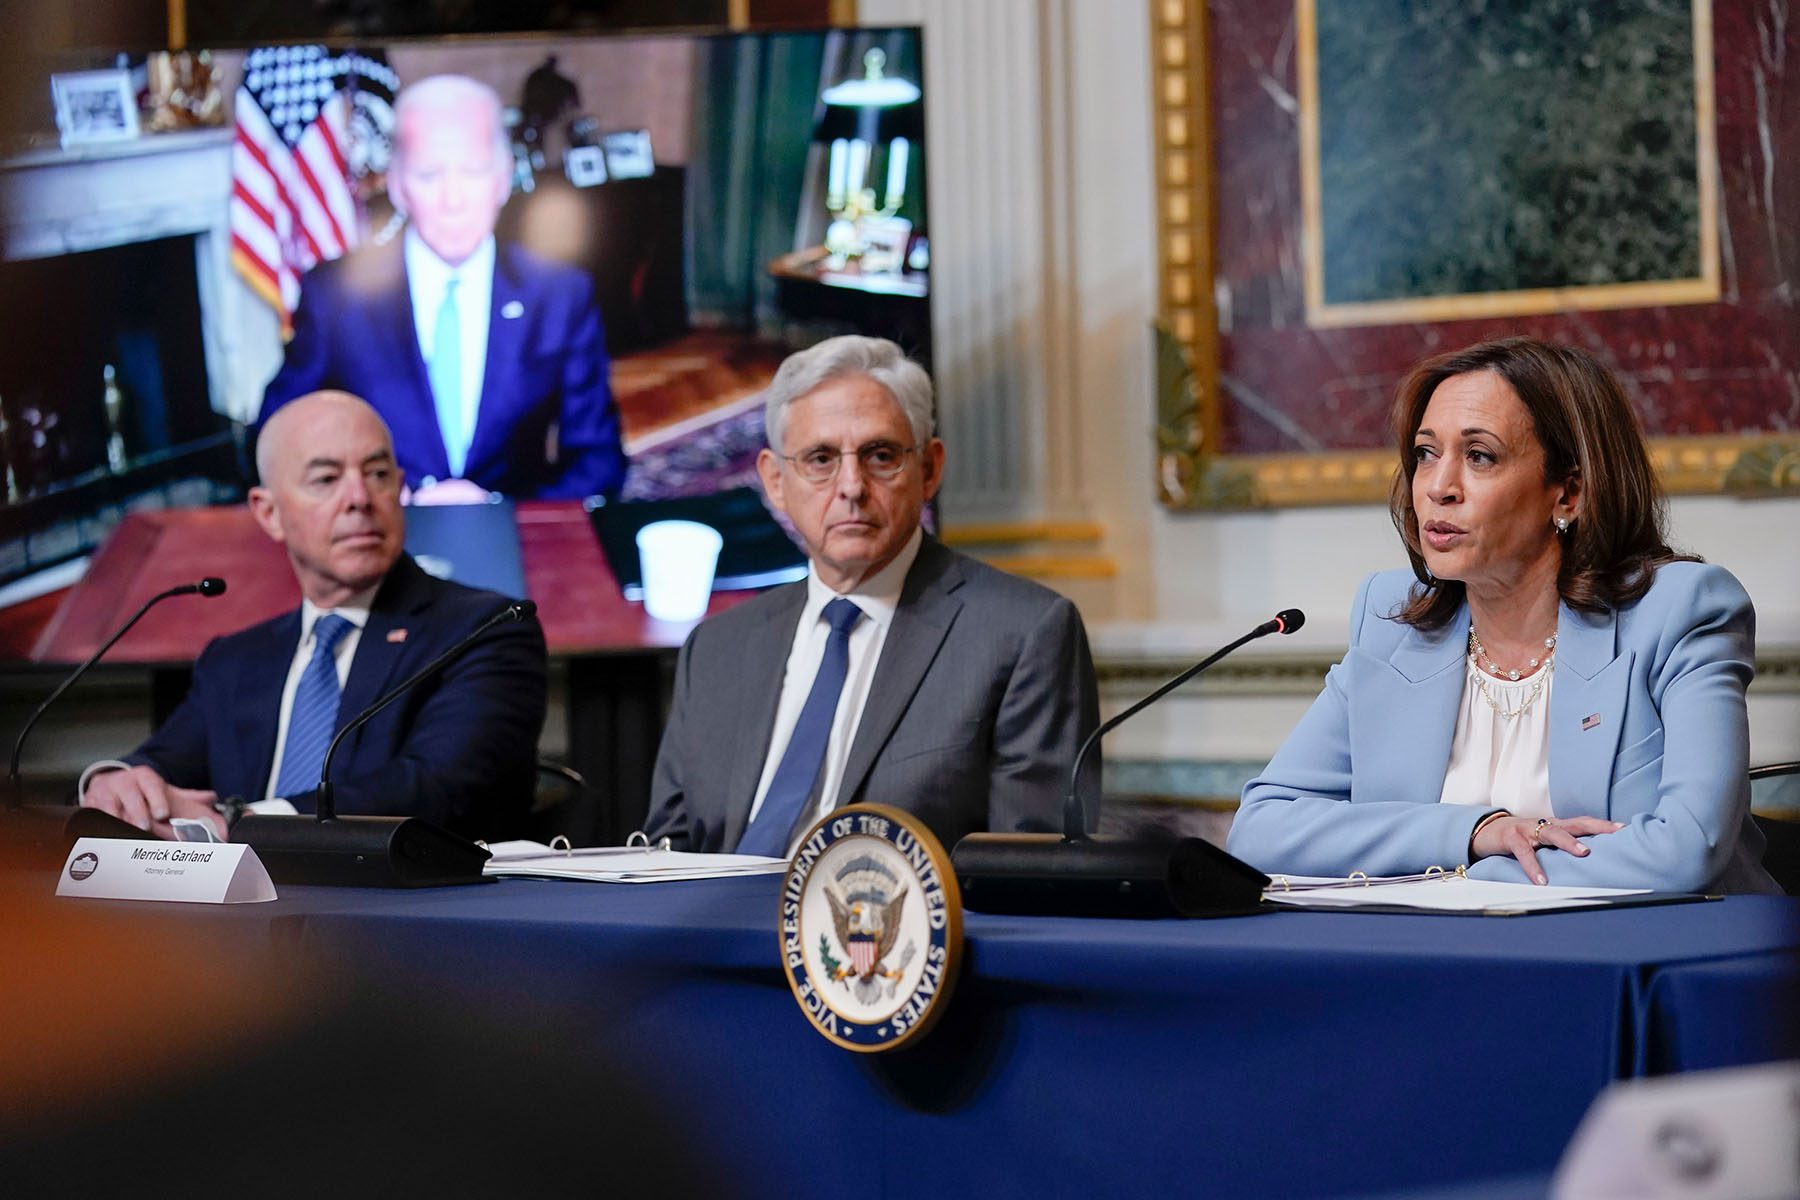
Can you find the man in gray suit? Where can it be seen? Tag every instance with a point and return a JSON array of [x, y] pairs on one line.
[[898, 672]]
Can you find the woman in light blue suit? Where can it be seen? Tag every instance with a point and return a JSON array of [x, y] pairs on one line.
[[1550, 694]]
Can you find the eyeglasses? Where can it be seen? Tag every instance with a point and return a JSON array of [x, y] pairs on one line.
[[878, 460]]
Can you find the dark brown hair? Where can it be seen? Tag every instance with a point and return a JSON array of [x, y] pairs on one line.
[[1588, 430]]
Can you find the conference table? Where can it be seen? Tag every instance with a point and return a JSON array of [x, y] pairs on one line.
[[1281, 1054]]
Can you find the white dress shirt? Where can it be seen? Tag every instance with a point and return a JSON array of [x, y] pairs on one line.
[[427, 278], [356, 611], [1493, 760], [878, 596]]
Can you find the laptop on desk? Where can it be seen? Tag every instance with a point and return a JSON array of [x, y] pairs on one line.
[[473, 544]]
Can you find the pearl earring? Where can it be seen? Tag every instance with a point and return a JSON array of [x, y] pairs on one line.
[[1562, 524]]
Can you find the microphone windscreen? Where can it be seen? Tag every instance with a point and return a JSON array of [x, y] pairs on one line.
[[1291, 619], [212, 586], [524, 610]]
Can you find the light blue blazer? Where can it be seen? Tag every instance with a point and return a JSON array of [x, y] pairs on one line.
[[1647, 727]]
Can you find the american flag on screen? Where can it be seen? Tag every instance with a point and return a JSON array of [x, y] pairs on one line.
[[311, 122]]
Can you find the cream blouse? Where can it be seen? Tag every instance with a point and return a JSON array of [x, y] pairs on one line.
[[1499, 761]]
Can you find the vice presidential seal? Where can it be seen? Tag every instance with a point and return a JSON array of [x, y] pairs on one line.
[[871, 927]]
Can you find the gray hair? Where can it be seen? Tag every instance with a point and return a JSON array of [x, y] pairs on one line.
[[442, 93], [834, 358]]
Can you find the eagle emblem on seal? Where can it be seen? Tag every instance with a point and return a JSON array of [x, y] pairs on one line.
[[865, 914]]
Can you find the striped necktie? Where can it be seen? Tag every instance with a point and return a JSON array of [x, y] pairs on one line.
[[313, 719], [798, 772]]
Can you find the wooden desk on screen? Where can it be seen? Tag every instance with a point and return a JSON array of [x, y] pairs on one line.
[[619, 660]]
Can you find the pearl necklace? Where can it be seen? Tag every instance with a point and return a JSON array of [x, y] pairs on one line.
[[1478, 656], [1495, 669]]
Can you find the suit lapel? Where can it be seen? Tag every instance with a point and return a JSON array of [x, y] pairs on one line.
[[927, 609], [505, 345], [1423, 678], [378, 658], [762, 664], [1587, 711], [257, 706]]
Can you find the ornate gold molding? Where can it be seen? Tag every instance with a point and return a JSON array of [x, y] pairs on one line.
[[980, 533], [1180, 83], [1054, 566], [1777, 672], [1742, 465], [1190, 473], [1014, 546]]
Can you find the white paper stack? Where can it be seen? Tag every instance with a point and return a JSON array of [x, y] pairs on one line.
[[1445, 893], [622, 864]]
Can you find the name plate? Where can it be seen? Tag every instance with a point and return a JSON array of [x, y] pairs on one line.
[[194, 872]]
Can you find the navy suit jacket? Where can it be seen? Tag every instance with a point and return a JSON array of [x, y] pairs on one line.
[[546, 377], [983, 693], [1647, 727], [459, 749]]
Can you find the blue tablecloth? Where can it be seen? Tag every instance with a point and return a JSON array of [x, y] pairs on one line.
[[1290, 1054]]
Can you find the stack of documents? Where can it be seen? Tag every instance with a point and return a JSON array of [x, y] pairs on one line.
[[1440, 892], [622, 864]]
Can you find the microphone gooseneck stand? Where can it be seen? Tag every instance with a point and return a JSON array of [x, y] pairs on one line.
[[41, 834], [1076, 873], [360, 851]]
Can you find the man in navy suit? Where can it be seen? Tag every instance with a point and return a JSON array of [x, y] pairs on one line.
[[459, 749], [488, 363]]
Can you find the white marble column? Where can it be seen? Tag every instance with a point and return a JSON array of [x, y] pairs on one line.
[[998, 133]]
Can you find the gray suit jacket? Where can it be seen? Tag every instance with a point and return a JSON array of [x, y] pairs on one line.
[[982, 696]]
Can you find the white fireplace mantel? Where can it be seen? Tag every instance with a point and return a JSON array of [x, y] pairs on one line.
[[73, 200]]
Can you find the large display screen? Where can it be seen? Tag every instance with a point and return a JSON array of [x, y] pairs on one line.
[[560, 269]]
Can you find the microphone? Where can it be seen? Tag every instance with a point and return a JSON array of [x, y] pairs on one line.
[[1078, 874], [371, 851], [326, 808], [84, 822]]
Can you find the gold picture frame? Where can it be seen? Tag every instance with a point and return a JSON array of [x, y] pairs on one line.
[[1193, 471]]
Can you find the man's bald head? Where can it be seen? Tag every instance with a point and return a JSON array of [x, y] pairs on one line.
[[330, 493], [289, 424]]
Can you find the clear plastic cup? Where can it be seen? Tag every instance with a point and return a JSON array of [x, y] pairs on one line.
[[678, 559]]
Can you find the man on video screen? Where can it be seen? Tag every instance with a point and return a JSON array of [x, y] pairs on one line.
[[488, 363]]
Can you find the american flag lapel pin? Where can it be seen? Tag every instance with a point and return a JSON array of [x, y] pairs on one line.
[[397, 636], [1592, 720]]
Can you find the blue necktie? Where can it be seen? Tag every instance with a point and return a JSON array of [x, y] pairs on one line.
[[446, 380], [793, 784], [313, 719]]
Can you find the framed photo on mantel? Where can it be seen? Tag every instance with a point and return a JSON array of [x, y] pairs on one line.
[[94, 106], [1345, 188]]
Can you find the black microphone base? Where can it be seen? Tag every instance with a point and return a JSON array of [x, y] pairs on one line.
[[392, 852], [1047, 874], [40, 835]]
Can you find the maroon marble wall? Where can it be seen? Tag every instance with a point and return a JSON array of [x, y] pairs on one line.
[[1731, 366]]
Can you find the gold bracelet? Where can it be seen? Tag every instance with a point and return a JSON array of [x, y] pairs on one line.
[[1481, 825]]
